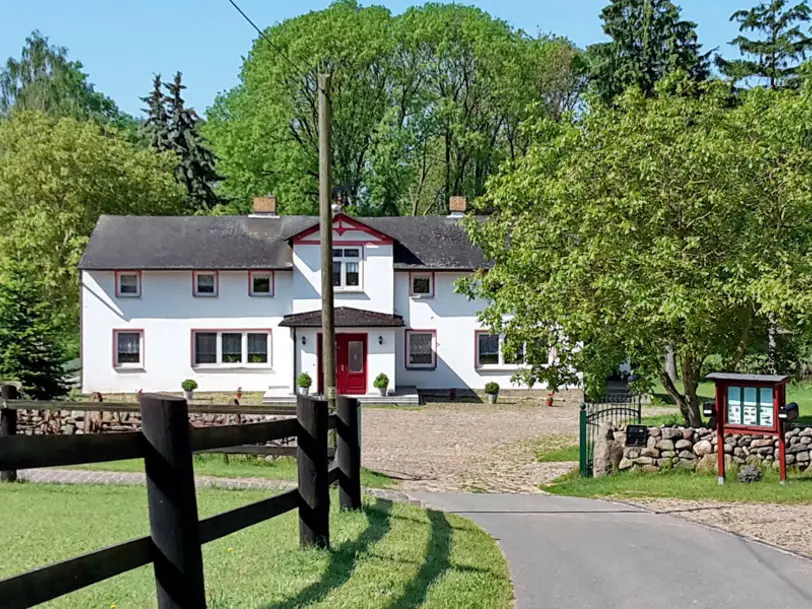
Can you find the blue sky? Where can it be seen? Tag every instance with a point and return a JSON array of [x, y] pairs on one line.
[[123, 42]]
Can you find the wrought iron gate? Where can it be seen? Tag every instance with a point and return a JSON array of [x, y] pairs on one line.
[[619, 409]]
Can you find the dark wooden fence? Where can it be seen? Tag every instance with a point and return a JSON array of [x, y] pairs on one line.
[[166, 443]]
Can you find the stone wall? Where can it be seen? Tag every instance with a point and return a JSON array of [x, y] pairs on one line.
[[40, 422], [696, 449]]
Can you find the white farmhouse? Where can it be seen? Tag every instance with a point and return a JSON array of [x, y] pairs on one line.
[[234, 302]]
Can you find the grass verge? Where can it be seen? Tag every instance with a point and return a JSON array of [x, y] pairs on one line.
[[556, 449], [241, 466], [388, 556], [681, 484]]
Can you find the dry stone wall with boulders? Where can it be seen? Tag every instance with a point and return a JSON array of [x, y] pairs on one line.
[[70, 422], [696, 449]]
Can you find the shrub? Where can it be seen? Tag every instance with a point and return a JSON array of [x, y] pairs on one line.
[[304, 380], [381, 381], [189, 385], [492, 388]]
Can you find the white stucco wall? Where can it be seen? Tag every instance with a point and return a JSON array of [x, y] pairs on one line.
[[167, 312], [454, 318]]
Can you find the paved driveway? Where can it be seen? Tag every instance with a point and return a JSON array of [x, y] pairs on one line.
[[582, 554]]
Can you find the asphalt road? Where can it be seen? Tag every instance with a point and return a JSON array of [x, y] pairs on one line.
[[578, 553]]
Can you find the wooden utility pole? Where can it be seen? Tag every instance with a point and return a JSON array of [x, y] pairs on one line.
[[326, 228]]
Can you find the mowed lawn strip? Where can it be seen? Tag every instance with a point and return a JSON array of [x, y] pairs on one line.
[[240, 466], [681, 484], [388, 556]]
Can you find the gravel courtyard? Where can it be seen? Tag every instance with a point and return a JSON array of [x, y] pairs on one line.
[[468, 446]]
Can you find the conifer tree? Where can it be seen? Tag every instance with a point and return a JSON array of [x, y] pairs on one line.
[[156, 126]]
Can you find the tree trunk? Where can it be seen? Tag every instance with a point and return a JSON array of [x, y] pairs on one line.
[[670, 363], [691, 370]]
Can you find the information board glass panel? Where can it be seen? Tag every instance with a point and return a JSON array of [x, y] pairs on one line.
[[734, 405], [766, 409]]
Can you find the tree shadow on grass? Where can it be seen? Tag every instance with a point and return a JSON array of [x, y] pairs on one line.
[[343, 558], [437, 561]]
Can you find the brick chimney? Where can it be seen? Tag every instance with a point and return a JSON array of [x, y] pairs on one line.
[[457, 206], [265, 206]]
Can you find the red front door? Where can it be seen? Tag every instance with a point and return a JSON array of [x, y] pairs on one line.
[[351, 364]]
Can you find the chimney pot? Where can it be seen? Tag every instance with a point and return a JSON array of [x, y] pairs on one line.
[[457, 205], [265, 206]]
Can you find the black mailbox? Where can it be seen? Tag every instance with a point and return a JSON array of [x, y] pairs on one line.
[[709, 409], [636, 435], [788, 412]]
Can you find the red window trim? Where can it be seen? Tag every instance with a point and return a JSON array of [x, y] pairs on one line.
[[411, 291], [118, 284], [477, 365], [433, 365], [251, 284], [143, 346], [216, 284], [220, 366]]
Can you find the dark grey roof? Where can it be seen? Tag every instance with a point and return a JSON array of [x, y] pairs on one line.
[[345, 317], [747, 378], [245, 242]]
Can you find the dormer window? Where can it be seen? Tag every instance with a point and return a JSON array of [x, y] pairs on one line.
[[347, 269], [421, 285], [204, 283], [128, 284], [261, 283]]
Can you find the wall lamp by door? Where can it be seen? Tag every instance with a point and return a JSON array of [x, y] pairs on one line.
[[380, 340], [304, 340]]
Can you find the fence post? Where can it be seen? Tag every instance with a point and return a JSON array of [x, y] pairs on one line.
[[348, 453], [583, 441], [173, 521], [311, 458], [8, 426]]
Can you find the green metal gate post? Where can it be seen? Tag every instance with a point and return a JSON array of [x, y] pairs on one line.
[[583, 441]]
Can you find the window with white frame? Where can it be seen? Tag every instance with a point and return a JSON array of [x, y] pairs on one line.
[[421, 351], [205, 283], [231, 348], [128, 348], [128, 284], [421, 285], [347, 268], [490, 352], [261, 283]]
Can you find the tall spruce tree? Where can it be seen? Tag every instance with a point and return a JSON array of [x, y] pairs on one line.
[[196, 167], [30, 348], [649, 41], [155, 128], [782, 46]]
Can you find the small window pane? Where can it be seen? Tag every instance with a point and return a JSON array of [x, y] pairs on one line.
[[128, 284], [421, 284], [488, 349], [336, 274], [205, 348], [353, 278], [261, 284], [356, 356], [232, 348], [352, 253], [128, 348], [420, 349], [338, 253], [205, 284], [258, 348]]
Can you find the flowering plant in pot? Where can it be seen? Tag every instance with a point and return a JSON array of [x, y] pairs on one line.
[[381, 383], [304, 381], [492, 390], [188, 386]]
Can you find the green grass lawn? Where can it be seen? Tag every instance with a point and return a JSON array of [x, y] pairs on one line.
[[240, 466], [554, 449], [388, 556], [681, 484], [800, 392]]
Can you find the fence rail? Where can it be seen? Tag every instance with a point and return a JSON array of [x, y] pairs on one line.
[[166, 443], [618, 409]]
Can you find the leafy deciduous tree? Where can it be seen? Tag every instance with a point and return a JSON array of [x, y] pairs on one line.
[[641, 226]]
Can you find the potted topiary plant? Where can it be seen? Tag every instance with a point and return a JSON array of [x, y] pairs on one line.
[[492, 389], [304, 382], [189, 386], [381, 384]]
